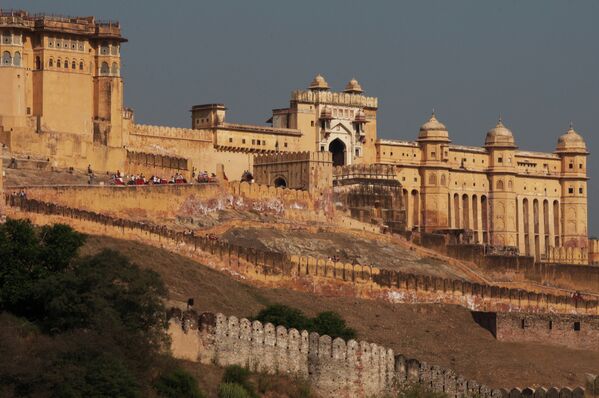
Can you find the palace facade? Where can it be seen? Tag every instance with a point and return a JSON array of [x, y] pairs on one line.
[[62, 103]]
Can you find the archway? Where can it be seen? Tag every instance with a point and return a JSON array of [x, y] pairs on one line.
[[337, 148], [280, 182]]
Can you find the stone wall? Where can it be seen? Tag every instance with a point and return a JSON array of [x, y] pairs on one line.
[[159, 165], [574, 331], [181, 200], [319, 275], [334, 367], [309, 171]]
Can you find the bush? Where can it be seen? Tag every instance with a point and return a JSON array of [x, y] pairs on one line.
[[235, 374], [232, 390], [177, 384], [328, 322], [283, 315], [331, 324]]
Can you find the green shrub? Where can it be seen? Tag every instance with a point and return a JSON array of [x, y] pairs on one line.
[[331, 324], [232, 390], [235, 374], [328, 322], [279, 314], [177, 384]]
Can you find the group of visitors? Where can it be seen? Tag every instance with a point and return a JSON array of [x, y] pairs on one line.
[[204, 177], [20, 194], [140, 179]]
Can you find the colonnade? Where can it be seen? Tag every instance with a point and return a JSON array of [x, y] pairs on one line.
[[538, 221], [470, 212], [539, 225]]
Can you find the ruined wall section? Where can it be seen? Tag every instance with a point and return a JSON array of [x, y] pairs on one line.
[[334, 367]]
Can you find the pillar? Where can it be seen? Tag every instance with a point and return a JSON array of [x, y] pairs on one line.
[[551, 224], [479, 219], [520, 210]]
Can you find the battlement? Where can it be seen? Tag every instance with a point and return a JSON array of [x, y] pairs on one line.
[[368, 171], [331, 98], [567, 255], [87, 26], [259, 129], [286, 157], [335, 367], [172, 132]]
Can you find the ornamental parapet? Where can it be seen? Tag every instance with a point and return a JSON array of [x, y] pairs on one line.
[[327, 97]]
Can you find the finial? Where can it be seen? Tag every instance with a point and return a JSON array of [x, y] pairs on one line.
[[433, 113], [571, 125]]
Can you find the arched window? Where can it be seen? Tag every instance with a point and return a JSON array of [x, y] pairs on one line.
[[500, 185], [17, 59], [81, 48], [432, 179], [58, 64], [7, 38], [66, 64], [74, 65], [104, 50], [6, 58], [510, 185], [104, 69], [38, 63], [51, 63], [443, 181], [81, 65], [115, 69]]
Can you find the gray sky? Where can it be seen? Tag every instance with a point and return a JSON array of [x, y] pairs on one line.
[[533, 62]]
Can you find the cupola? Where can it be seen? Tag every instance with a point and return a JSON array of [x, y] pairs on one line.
[[500, 136], [433, 130], [319, 84], [571, 142], [353, 87]]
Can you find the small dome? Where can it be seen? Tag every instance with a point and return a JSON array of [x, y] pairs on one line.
[[433, 129], [319, 83], [571, 142], [353, 87], [326, 113], [500, 136], [360, 116]]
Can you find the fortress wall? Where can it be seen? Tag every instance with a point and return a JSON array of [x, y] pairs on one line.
[[334, 367], [574, 331], [180, 200], [319, 275]]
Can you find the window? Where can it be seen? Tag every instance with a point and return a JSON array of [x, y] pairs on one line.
[[243, 140], [51, 63], [7, 38], [38, 63], [571, 166], [115, 69], [523, 324], [580, 191], [312, 123], [357, 152], [104, 50], [500, 185], [577, 326], [285, 145], [66, 64], [104, 69], [29, 110], [580, 165], [253, 142], [433, 155], [550, 325], [322, 148], [74, 65], [499, 160], [570, 190], [6, 58], [81, 47], [50, 42], [230, 139], [17, 59], [81, 65]]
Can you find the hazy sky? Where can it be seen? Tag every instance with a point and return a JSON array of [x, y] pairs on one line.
[[533, 62]]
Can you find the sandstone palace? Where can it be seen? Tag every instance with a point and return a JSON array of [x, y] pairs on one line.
[[62, 103]]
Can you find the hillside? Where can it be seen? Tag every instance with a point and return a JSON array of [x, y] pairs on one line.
[[439, 334]]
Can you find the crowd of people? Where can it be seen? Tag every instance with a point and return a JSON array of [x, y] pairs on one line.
[[140, 179]]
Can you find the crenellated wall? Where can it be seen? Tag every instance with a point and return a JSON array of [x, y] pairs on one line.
[[318, 275], [334, 367]]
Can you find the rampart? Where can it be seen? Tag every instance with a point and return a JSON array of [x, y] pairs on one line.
[[171, 132], [567, 255], [160, 165], [334, 367], [320, 275], [179, 200], [574, 331]]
